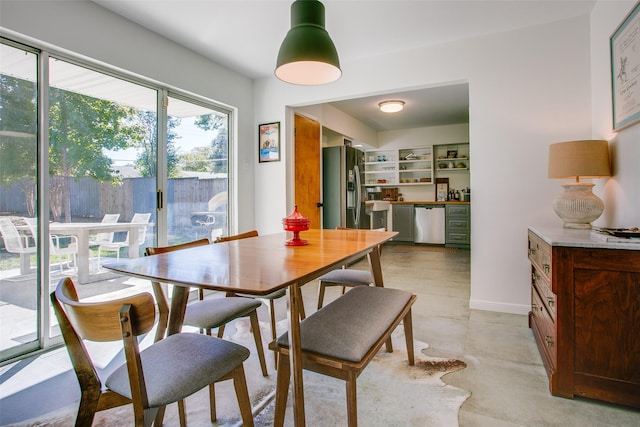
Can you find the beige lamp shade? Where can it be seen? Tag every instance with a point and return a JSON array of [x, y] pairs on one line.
[[577, 206], [579, 159]]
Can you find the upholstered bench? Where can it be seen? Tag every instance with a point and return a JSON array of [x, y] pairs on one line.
[[340, 339]]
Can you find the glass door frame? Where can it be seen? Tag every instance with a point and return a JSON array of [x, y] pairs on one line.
[[44, 341]]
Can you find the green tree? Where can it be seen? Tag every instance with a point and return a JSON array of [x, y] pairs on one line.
[[80, 128], [220, 144], [18, 142], [146, 162], [198, 159]]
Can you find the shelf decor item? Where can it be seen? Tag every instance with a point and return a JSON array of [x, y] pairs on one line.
[[578, 206], [269, 142], [624, 45], [296, 223]]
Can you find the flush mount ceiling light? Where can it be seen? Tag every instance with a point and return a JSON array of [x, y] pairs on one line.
[[307, 55], [391, 106]]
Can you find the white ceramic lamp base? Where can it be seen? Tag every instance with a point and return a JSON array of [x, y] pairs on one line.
[[578, 207]]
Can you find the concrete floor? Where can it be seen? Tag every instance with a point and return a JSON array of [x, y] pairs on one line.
[[504, 371]]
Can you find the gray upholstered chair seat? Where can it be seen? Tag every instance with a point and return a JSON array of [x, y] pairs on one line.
[[350, 325], [348, 276], [182, 364], [214, 312]]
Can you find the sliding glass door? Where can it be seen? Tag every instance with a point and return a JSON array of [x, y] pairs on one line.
[[95, 167], [197, 166], [19, 292]]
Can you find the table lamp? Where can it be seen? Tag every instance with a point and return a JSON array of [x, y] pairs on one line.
[[577, 206]]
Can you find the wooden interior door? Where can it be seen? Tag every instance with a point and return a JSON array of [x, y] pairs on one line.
[[307, 169]]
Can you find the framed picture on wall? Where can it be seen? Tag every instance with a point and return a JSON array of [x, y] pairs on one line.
[[442, 189], [625, 70], [269, 142]]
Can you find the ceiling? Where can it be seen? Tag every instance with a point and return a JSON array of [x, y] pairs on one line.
[[245, 36]]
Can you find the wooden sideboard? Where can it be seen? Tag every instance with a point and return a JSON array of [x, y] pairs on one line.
[[585, 314]]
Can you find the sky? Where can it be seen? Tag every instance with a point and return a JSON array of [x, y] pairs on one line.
[[190, 136]]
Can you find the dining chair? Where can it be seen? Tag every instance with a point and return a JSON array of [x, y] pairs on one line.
[[68, 250], [345, 276], [208, 313], [269, 299], [138, 218], [166, 371]]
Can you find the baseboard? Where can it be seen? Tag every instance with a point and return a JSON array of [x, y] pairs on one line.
[[499, 307]]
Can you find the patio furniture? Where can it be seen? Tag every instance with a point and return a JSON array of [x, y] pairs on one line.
[[209, 218], [16, 243], [138, 218], [103, 238], [56, 245], [167, 371]]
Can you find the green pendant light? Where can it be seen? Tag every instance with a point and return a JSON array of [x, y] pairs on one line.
[[307, 55]]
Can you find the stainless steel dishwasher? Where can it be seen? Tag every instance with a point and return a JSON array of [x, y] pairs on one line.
[[429, 226]]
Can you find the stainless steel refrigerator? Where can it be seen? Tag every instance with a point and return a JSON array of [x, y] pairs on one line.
[[343, 192]]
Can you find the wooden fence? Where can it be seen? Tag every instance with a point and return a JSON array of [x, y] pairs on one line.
[[91, 199]]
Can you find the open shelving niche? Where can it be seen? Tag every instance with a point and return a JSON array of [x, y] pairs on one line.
[[404, 166], [445, 164]]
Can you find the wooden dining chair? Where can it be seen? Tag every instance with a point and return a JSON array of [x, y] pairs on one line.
[[207, 314], [269, 299], [345, 276], [167, 371]]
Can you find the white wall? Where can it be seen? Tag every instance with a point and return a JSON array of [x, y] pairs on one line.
[[89, 30], [622, 191], [527, 89]]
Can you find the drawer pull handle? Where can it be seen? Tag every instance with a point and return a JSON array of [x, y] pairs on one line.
[[551, 302], [532, 251], [548, 340], [534, 306], [546, 268]]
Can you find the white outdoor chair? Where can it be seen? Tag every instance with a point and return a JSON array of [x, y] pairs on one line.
[[102, 238], [13, 241], [209, 222], [138, 218], [56, 245], [16, 243]]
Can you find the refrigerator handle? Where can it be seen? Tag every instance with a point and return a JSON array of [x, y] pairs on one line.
[[358, 201]]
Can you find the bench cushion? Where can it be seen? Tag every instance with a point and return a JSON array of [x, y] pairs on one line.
[[348, 276], [350, 325]]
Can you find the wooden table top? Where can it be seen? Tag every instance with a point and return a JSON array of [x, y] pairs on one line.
[[258, 265]]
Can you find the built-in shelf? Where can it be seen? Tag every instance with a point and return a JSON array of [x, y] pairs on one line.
[[405, 166]]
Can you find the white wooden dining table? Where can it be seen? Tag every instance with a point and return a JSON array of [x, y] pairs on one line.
[[259, 266]]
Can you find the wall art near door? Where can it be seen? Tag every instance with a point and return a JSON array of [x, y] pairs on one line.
[[625, 70], [269, 142]]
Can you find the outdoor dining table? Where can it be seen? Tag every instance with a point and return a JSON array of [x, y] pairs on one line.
[[82, 230], [259, 266]]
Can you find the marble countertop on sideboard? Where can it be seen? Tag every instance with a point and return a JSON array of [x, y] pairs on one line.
[[558, 236], [414, 202]]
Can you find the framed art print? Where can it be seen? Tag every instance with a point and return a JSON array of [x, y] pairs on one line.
[[625, 71], [269, 142]]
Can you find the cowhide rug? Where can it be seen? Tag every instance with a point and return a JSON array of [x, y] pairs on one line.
[[390, 393]]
